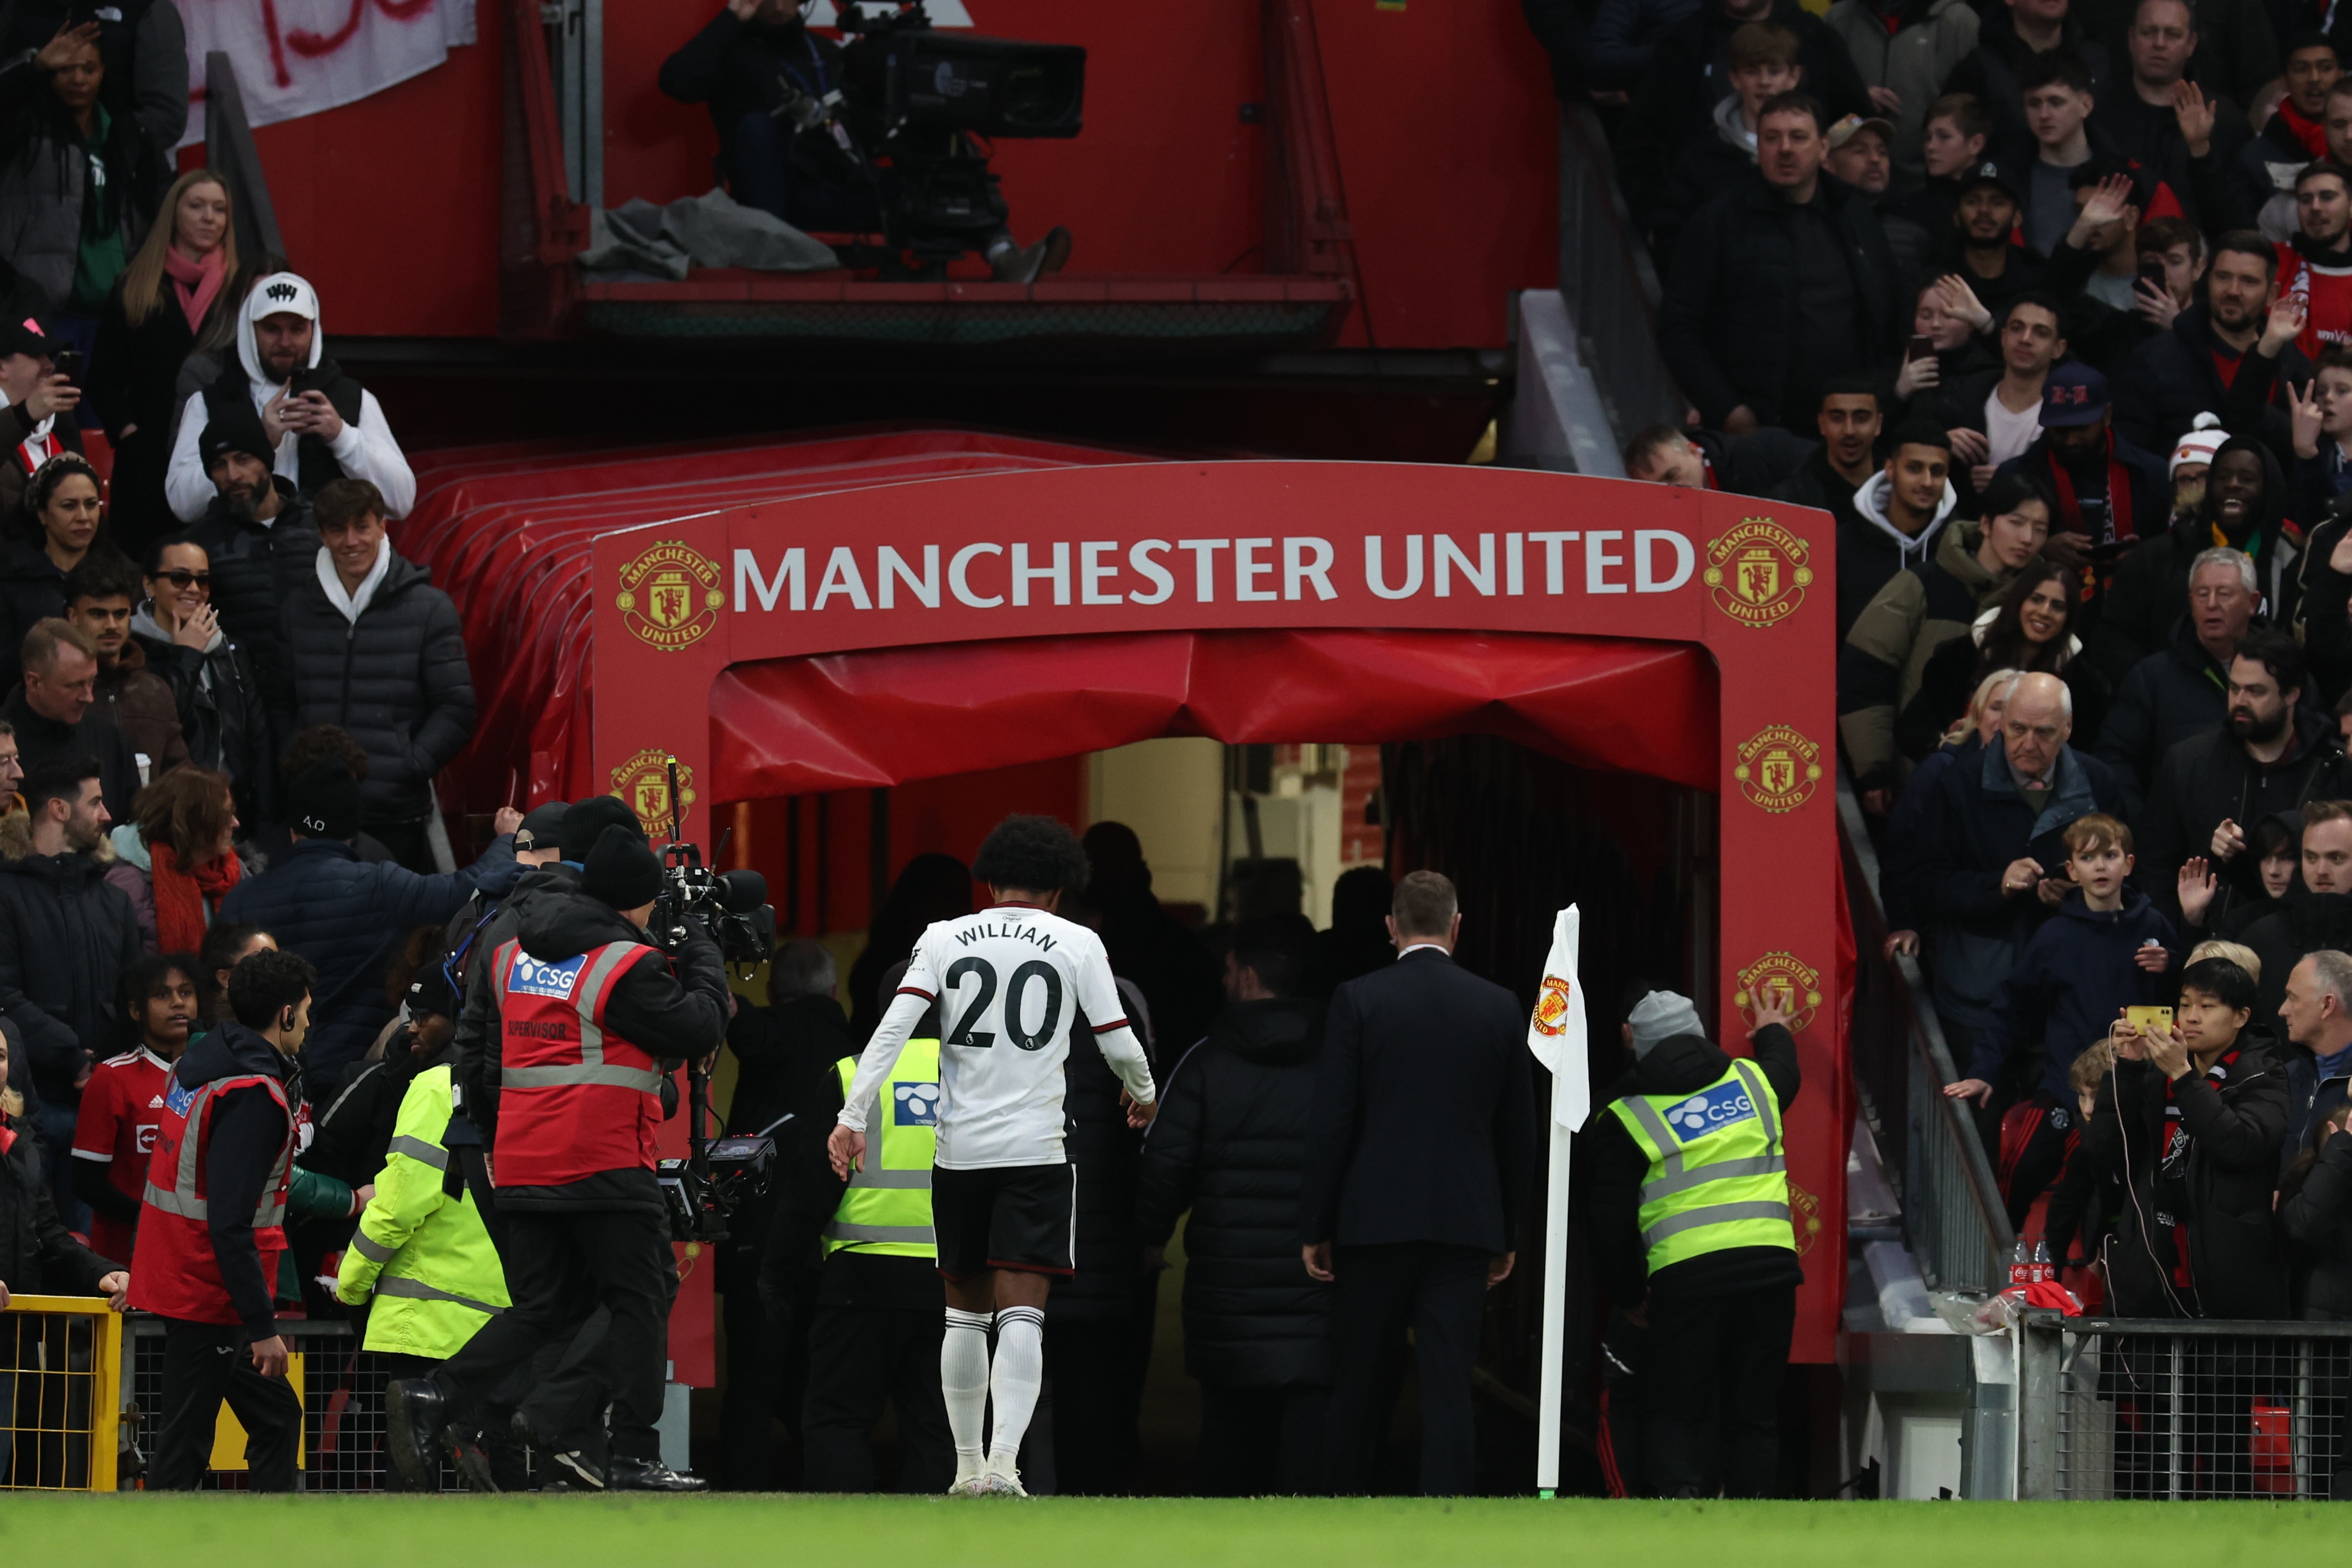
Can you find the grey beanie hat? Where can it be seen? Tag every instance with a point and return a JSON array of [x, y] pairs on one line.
[[1659, 1016]]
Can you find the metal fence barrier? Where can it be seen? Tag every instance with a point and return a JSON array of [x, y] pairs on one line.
[[59, 1358], [2165, 1409], [1953, 1217]]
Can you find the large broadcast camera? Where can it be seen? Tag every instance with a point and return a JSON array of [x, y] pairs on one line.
[[719, 1176], [925, 101]]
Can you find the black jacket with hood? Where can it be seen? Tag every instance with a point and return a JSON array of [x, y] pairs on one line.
[[65, 936], [478, 1015], [38, 1256], [2210, 778], [396, 677], [2304, 925], [223, 713], [250, 1131], [2172, 379], [1990, 74], [1871, 550], [2235, 1258], [257, 567], [1228, 1145], [2179, 694], [1679, 1064], [648, 1006]]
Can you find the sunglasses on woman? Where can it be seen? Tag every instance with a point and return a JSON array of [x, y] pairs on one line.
[[182, 578]]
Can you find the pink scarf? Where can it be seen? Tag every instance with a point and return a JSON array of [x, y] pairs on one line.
[[197, 280]]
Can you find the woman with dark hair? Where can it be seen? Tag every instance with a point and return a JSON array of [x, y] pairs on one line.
[[227, 944], [77, 180], [63, 519], [176, 859], [2031, 630], [933, 887]]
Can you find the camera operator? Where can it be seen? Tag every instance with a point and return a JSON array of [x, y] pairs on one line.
[[777, 93], [589, 1021]]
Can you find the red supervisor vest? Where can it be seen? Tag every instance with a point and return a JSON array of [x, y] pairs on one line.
[[575, 1098], [173, 1270]]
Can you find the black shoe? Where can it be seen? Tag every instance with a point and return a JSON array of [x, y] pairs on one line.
[[415, 1412], [578, 1471], [650, 1475]]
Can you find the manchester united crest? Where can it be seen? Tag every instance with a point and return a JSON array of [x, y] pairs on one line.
[[1551, 1007], [1795, 987], [1756, 572], [1778, 769], [1804, 1217], [644, 782], [670, 596]]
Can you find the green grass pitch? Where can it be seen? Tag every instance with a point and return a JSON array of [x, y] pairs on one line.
[[727, 1531]]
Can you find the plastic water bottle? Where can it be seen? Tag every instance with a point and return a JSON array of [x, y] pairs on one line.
[[2044, 1271], [2020, 1269]]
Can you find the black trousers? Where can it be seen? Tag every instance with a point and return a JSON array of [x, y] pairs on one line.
[[204, 1364], [1711, 1391], [1440, 1293], [557, 1263], [859, 1358], [1262, 1442]]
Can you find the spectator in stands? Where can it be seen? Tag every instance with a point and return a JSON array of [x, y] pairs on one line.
[[2181, 691], [2261, 187], [1952, 142], [2191, 462], [178, 297], [378, 650], [1904, 53], [2316, 264], [2010, 36], [2098, 261], [1688, 75], [78, 181], [1165, 959], [1763, 65], [1780, 285], [2103, 952], [263, 543], [60, 525], [1956, 352], [2182, 246], [2059, 98], [2244, 503], [1897, 514], [1988, 848], [2321, 918], [145, 50], [1987, 266], [1885, 654], [1899, 886], [2315, 1017], [100, 593], [319, 424], [269, 842], [176, 859], [1994, 416], [50, 710], [222, 715], [1229, 1149], [2031, 628], [122, 1102], [1851, 418], [1858, 156], [2324, 608], [39, 1254], [2315, 1211], [2183, 135], [2203, 364], [2190, 1124], [1758, 463], [2274, 845], [32, 395], [349, 917], [227, 944], [2322, 424], [2106, 488], [2270, 753], [64, 936]]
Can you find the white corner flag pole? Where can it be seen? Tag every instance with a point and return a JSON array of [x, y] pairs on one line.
[[1557, 1035]]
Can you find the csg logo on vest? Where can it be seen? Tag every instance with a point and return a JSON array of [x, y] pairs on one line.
[[1711, 1111], [181, 1097], [536, 978], [915, 1104]]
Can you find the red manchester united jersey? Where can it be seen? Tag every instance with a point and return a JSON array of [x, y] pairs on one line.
[[122, 1107]]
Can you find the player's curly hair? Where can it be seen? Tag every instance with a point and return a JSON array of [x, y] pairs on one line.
[[1037, 854]]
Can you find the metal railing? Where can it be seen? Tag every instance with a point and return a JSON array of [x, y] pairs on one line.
[[1953, 1217], [1610, 288], [58, 1359], [2180, 1409]]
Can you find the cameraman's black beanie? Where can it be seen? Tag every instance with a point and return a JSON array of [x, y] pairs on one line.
[[585, 821], [620, 871], [324, 802]]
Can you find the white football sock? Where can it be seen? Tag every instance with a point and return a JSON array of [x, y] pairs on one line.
[[963, 1380], [1013, 1382]]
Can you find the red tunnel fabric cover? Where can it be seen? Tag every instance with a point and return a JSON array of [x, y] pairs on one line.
[[788, 727]]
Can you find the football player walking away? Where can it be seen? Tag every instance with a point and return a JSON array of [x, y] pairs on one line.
[[1014, 983]]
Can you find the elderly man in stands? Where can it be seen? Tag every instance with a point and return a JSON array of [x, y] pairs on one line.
[[1990, 848]]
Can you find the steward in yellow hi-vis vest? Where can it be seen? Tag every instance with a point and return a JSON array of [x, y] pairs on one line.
[[1692, 1239]]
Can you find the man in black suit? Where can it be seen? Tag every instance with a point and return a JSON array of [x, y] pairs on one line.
[[1416, 1174]]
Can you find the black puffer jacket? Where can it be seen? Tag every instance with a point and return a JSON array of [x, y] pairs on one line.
[[38, 1254], [32, 588], [1106, 1150], [2208, 779], [257, 569], [222, 715], [65, 936], [1228, 1145], [397, 679]]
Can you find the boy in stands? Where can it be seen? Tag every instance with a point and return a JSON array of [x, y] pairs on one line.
[[122, 1105], [1013, 983]]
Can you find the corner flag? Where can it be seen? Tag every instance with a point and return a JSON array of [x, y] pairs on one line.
[[1556, 1033]]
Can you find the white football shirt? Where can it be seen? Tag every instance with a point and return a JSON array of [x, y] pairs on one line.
[[1010, 982]]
